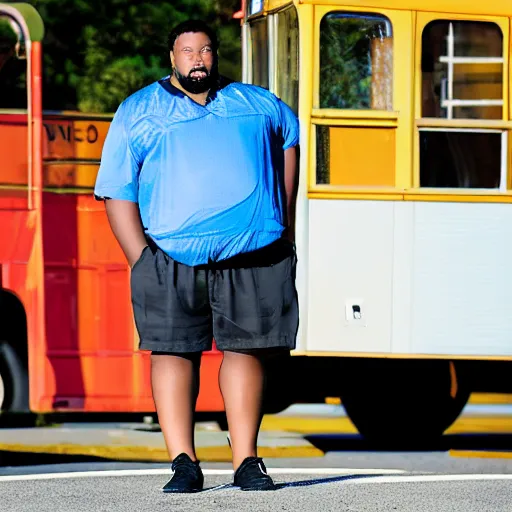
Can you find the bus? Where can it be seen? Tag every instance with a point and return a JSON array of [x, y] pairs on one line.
[[67, 337], [403, 213], [404, 221]]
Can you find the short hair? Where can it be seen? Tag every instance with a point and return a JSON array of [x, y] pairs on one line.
[[193, 26]]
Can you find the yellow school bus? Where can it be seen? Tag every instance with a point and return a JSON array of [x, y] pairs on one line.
[[404, 221]]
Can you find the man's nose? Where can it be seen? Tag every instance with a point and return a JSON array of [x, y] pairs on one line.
[[198, 57]]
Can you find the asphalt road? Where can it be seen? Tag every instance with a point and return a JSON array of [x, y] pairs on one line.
[[470, 471], [340, 490]]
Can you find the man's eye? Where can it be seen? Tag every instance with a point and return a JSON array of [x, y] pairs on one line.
[[207, 49]]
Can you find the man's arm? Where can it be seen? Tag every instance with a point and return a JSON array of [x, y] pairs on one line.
[[291, 181], [124, 218]]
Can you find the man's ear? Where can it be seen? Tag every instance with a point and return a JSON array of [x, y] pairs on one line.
[[171, 55]]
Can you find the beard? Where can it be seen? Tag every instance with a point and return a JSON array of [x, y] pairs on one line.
[[197, 85]]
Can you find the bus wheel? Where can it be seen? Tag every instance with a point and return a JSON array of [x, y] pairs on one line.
[[13, 380], [402, 403]]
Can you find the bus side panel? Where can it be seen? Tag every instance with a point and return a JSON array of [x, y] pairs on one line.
[[430, 278], [462, 293], [92, 342], [350, 275], [20, 248]]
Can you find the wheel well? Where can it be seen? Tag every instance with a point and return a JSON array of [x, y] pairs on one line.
[[13, 324]]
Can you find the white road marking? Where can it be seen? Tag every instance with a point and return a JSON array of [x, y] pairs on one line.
[[206, 472], [398, 477], [426, 478]]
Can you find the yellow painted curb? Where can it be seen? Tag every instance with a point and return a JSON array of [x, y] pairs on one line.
[[475, 398], [136, 453], [481, 425], [305, 425], [481, 454], [490, 398]]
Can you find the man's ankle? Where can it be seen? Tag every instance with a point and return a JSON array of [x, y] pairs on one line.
[[189, 453], [238, 460]]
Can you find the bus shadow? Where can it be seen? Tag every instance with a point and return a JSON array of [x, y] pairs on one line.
[[13, 459], [356, 443]]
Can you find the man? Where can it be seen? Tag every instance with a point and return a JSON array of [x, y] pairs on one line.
[[199, 176]]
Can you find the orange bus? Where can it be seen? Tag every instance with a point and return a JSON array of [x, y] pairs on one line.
[[67, 339], [403, 218]]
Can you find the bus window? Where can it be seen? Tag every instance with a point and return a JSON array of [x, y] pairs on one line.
[[259, 46], [356, 61], [462, 78], [13, 66], [288, 57], [460, 159], [462, 70]]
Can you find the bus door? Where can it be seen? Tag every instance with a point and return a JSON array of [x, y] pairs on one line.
[[361, 156]]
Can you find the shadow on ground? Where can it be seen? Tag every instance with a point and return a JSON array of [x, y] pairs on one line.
[[355, 442], [38, 459]]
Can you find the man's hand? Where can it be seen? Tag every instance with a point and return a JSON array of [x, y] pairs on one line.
[[132, 262], [124, 218]]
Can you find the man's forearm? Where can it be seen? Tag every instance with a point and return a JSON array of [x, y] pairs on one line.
[[124, 218], [291, 174]]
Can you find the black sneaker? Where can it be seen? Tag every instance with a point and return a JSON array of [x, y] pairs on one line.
[[187, 476], [252, 476]]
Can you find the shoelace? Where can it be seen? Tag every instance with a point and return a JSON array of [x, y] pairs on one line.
[[184, 468]]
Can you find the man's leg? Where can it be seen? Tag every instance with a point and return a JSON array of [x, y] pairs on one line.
[[175, 384], [255, 316], [241, 381]]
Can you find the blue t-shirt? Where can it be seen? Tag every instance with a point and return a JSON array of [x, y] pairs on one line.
[[209, 180]]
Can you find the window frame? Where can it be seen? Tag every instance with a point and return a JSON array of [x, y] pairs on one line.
[[354, 14], [275, 48], [399, 118], [247, 31], [503, 125]]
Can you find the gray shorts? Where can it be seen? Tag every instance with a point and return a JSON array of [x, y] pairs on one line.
[[246, 302]]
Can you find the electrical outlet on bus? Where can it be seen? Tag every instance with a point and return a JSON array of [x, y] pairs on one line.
[[354, 312]]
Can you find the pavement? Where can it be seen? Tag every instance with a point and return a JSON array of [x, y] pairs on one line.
[[284, 435], [335, 490]]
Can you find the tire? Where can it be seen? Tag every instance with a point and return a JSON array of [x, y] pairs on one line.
[[13, 381], [402, 403]]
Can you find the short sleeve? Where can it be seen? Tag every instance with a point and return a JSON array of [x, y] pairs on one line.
[[288, 125], [118, 174]]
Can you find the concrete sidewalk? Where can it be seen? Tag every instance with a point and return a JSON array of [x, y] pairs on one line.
[[137, 443], [281, 435]]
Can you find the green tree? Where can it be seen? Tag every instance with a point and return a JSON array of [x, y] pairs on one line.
[[98, 52]]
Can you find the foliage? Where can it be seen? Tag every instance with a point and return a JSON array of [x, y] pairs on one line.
[[8, 37], [97, 52], [13, 72], [346, 61]]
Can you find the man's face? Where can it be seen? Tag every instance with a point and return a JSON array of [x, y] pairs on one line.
[[193, 61]]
